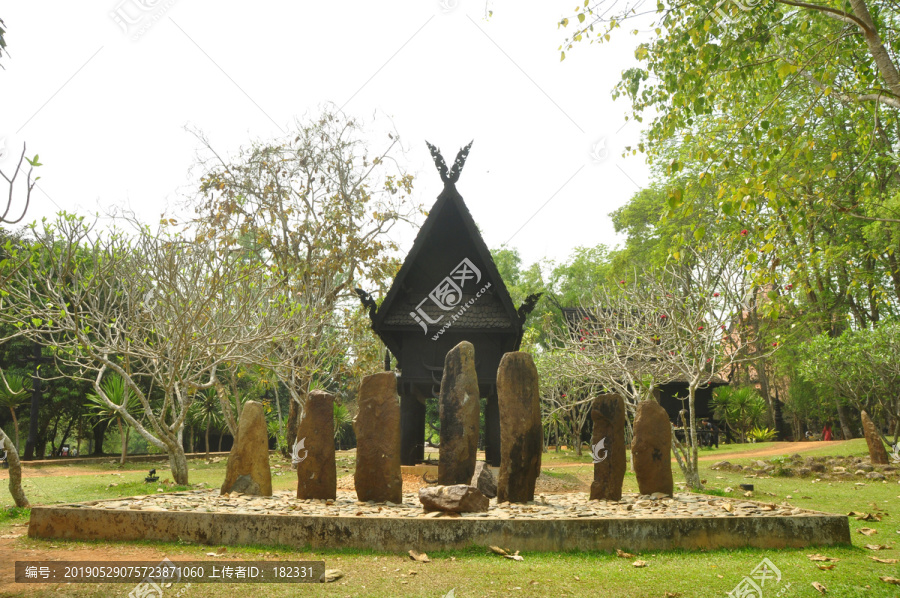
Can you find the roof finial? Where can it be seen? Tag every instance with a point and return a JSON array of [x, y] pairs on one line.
[[451, 176]]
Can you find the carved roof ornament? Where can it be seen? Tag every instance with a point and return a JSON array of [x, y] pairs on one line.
[[449, 176]]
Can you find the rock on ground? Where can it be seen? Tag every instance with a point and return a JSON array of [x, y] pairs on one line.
[[458, 498], [484, 479]]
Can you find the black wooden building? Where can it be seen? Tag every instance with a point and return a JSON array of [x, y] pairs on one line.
[[447, 291]]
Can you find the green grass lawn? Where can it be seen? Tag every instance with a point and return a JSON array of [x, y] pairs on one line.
[[477, 573]]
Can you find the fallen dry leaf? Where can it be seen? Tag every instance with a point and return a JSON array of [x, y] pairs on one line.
[[514, 557], [890, 579], [867, 517], [878, 547], [639, 564], [420, 557], [623, 554], [819, 587], [728, 507], [868, 531], [498, 550], [673, 594], [885, 561], [827, 567], [212, 554], [819, 557], [221, 550]]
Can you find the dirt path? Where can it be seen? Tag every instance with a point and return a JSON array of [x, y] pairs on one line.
[[780, 448], [12, 550]]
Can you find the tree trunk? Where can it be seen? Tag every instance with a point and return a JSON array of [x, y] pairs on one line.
[[278, 408], [178, 464], [576, 435], [15, 471], [693, 477], [65, 435], [207, 438], [15, 427], [845, 420], [124, 438], [763, 378], [99, 431], [221, 436], [34, 418], [290, 435]]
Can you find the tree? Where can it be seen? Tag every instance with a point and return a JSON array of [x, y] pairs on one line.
[[13, 392], [121, 398], [317, 208], [205, 412], [156, 306], [15, 471], [12, 456], [7, 217], [677, 324], [740, 408], [782, 120], [860, 367], [343, 424]]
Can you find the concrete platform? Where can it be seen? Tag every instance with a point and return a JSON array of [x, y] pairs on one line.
[[510, 526]]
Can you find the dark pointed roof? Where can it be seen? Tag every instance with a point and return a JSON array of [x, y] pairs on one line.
[[448, 235]]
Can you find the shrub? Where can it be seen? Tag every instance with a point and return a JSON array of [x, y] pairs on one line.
[[758, 434]]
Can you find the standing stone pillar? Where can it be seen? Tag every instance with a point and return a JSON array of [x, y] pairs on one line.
[[248, 470], [459, 410], [651, 449], [377, 427], [521, 433], [608, 447], [877, 452], [316, 470]]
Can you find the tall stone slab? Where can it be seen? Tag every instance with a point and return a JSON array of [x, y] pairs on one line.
[[459, 410], [651, 449], [377, 427], [314, 448], [248, 470], [521, 434], [877, 452], [608, 447]]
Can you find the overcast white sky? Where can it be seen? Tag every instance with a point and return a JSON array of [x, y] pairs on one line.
[[105, 103]]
